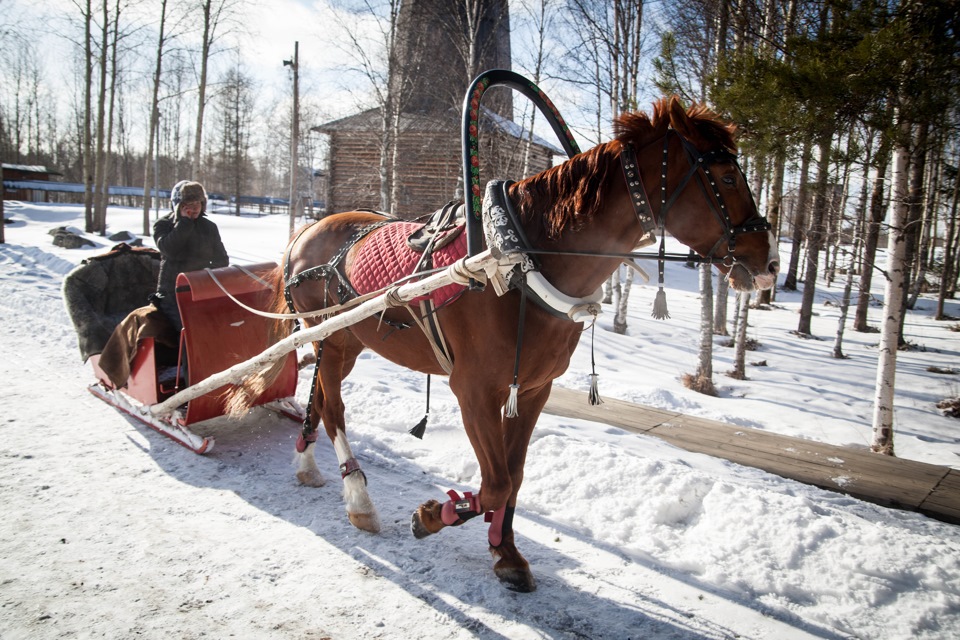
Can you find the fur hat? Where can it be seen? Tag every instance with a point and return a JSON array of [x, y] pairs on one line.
[[185, 192]]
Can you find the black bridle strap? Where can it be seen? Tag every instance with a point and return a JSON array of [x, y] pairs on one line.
[[638, 193], [699, 165]]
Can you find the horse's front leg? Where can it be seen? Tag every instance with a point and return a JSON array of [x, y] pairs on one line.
[[500, 445], [511, 567], [480, 407]]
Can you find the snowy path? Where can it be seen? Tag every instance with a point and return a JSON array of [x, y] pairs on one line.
[[111, 530]]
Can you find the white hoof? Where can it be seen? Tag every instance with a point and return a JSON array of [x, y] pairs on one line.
[[363, 515], [308, 473], [311, 479]]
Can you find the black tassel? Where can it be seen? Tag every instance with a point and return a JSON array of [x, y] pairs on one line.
[[420, 428]]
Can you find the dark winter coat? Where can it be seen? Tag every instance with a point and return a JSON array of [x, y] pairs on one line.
[[186, 245]]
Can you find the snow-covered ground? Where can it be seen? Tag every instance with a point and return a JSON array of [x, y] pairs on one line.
[[111, 530]]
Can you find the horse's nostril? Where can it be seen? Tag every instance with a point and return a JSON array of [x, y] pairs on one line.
[[774, 267]]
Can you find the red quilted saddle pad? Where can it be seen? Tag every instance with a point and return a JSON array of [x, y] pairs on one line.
[[384, 257]]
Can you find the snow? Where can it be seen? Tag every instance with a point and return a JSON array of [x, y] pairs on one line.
[[111, 530]]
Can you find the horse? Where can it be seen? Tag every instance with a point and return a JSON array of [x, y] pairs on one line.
[[591, 206]]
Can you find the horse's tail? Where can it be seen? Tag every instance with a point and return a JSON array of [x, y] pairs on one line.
[[241, 398]]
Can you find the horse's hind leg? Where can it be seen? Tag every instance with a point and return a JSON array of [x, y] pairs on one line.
[[339, 354], [308, 473]]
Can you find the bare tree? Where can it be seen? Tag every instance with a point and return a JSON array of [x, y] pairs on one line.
[[88, 157], [217, 14], [235, 108], [154, 119], [815, 231], [720, 312], [104, 154], [387, 64]]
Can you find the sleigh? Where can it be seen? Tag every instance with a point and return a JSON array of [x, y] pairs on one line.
[[218, 332]]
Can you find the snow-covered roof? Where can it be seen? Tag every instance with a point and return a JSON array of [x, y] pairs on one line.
[[365, 120], [30, 168]]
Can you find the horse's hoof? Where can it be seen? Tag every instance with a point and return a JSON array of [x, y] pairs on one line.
[[420, 522], [516, 579], [365, 521], [311, 479], [417, 526]]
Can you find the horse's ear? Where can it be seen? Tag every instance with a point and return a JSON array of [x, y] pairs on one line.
[[678, 117]]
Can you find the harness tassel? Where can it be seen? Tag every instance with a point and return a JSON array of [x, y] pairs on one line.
[[660, 301], [660, 306], [510, 409], [594, 389]]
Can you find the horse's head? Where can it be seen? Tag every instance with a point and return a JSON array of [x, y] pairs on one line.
[[698, 191]]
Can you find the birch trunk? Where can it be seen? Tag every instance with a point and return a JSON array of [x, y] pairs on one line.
[[620, 318], [799, 219], [740, 350], [702, 380], [872, 237], [949, 251], [774, 203], [815, 234], [88, 166], [720, 312], [101, 118], [893, 299]]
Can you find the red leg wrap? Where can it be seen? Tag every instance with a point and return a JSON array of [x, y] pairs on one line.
[[500, 521], [304, 440], [458, 510]]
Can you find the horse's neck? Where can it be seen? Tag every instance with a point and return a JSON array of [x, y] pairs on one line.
[[614, 229]]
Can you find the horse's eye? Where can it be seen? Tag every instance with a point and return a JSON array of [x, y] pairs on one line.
[[728, 180]]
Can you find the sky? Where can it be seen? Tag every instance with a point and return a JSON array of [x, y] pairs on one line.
[[112, 530]]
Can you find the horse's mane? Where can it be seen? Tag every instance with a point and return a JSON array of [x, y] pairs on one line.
[[567, 195]]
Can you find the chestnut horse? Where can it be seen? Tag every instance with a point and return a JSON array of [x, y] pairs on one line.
[[583, 206]]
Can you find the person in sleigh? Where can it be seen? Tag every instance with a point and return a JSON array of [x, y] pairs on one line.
[[188, 241]]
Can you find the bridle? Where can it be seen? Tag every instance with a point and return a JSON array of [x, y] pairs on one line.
[[700, 163]]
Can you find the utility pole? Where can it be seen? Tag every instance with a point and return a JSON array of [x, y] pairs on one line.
[[294, 132]]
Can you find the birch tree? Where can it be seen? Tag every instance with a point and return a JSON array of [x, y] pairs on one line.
[[154, 118], [740, 338], [88, 157], [893, 307], [105, 152], [617, 29], [702, 380]]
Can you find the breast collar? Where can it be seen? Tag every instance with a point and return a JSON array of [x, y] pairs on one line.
[[504, 234]]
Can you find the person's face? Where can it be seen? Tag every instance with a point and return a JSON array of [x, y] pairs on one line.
[[190, 210]]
